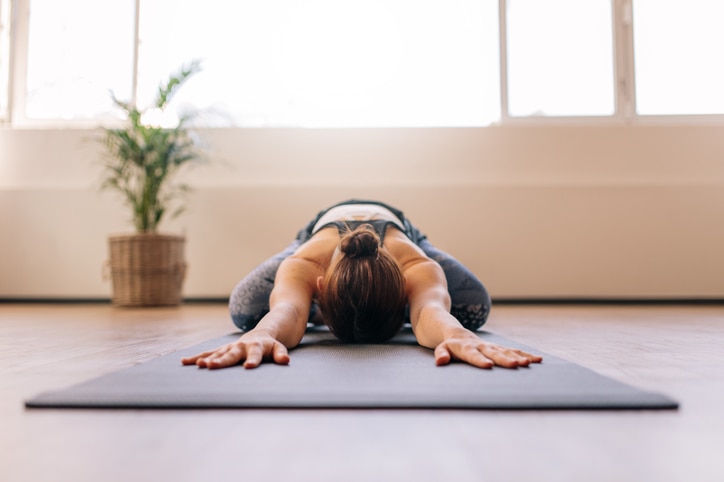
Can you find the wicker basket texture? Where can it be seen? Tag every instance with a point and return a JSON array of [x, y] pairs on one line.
[[147, 269]]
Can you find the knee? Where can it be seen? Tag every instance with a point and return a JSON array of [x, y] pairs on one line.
[[248, 303], [244, 321], [466, 289], [471, 304], [471, 316], [243, 314]]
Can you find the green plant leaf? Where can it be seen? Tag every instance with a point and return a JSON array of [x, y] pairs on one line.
[[143, 160]]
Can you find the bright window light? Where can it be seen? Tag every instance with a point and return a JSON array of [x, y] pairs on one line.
[[560, 58], [328, 63], [679, 52], [78, 50], [4, 57]]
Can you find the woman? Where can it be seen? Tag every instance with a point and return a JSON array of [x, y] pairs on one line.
[[363, 269]]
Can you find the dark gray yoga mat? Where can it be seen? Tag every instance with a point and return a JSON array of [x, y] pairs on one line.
[[324, 373]]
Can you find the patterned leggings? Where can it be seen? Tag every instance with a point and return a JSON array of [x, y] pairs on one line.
[[249, 300]]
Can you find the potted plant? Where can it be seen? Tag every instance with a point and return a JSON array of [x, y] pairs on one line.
[[144, 159]]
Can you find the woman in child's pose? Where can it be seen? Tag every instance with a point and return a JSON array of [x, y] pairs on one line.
[[363, 269]]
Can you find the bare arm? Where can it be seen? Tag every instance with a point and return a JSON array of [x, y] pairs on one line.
[[436, 328], [280, 329]]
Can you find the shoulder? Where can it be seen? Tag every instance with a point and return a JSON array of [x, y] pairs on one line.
[[403, 249], [421, 272], [316, 253]]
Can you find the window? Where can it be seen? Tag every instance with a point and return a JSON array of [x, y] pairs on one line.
[[330, 63], [560, 57], [679, 55], [320, 63], [73, 62], [4, 58], [372, 63]]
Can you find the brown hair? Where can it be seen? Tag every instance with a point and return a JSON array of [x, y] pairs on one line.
[[363, 293]]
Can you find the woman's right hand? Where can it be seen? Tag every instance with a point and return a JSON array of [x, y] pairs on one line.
[[250, 350]]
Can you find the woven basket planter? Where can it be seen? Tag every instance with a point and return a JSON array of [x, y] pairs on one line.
[[147, 269]]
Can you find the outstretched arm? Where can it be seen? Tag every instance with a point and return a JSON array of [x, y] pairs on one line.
[[282, 328], [436, 328]]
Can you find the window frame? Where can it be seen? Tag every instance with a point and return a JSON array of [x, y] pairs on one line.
[[5, 60], [17, 89], [617, 117], [13, 68]]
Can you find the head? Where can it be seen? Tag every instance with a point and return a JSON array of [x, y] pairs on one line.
[[362, 294]]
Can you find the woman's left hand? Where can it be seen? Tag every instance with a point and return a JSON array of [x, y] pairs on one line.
[[467, 347]]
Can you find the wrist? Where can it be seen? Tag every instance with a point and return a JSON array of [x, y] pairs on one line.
[[459, 331], [435, 324]]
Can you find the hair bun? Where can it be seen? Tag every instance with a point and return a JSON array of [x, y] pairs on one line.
[[362, 242]]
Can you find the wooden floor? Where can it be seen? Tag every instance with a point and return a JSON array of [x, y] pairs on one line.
[[674, 349]]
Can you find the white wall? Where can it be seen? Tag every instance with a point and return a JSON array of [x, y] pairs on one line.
[[594, 211]]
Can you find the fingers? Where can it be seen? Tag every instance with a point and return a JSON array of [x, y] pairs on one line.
[[250, 354], [223, 356], [280, 354], [254, 355], [226, 356], [442, 355], [532, 358], [472, 355], [468, 353], [503, 356], [527, 358], [191, 360], [482, 355]]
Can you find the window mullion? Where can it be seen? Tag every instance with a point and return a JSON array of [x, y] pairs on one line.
[[18, 60], [503, 36], [5, 12], [625, 90], [136, 47]]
